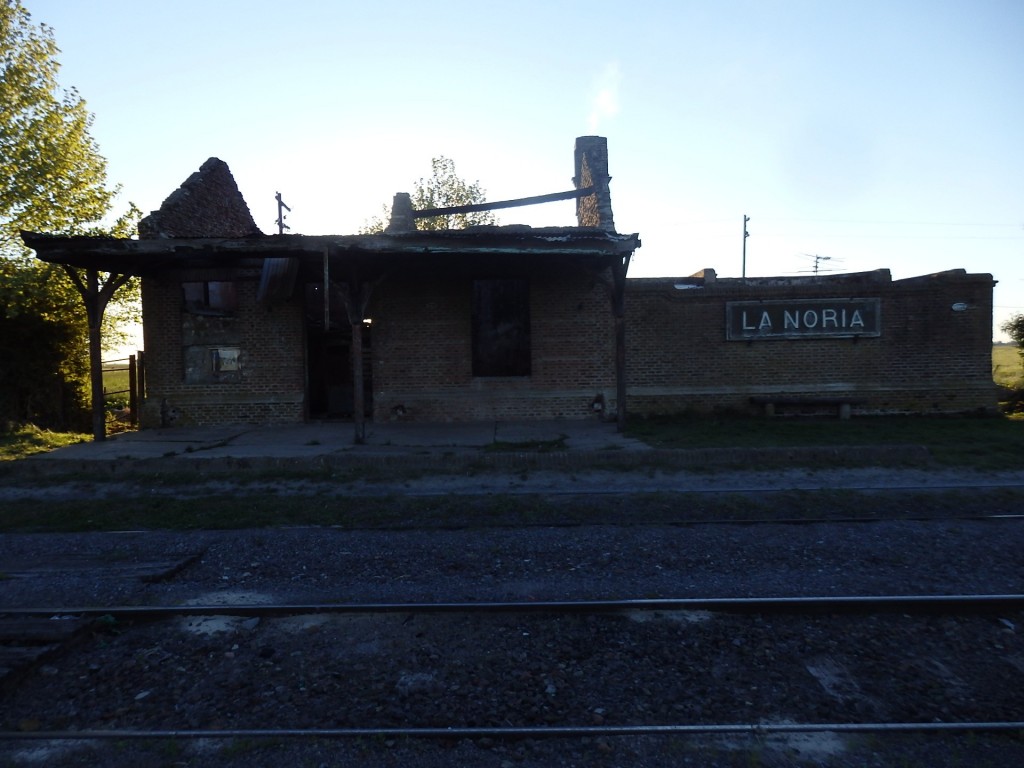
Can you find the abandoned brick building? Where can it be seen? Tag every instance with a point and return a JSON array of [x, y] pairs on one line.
[[513, 322]]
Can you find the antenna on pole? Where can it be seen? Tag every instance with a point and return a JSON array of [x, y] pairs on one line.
[[281, 208], [817, 263], [745, 236]]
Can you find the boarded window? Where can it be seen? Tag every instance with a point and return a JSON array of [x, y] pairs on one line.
[[213, 297], [213, 365], [501, 327]]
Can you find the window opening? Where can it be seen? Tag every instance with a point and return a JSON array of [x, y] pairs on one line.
[[212, 297], [501, 327]]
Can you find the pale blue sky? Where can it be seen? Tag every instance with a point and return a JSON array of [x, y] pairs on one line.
[[878, 133]]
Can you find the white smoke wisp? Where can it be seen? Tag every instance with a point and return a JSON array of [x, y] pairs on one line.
[[605, 102]]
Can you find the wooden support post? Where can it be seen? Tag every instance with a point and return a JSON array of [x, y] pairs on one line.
[[616, 288], [619, 270], [96, 297], [99, 414], [358, 395], [356, 295]]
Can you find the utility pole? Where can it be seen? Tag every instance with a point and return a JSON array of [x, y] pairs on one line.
[[745, 236], [281, 208]]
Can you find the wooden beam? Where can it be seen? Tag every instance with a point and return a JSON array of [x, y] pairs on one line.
[[518, 202], [619, 270]]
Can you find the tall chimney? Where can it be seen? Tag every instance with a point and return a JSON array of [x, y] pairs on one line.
[[594, 210], [401, 215]]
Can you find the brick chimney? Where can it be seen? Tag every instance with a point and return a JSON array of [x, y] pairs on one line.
[[401, 215], [592, 169]]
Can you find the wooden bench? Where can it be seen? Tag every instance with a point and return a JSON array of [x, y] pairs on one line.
[[772, 403]]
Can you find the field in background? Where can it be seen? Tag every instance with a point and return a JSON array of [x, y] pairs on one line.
[[1007, 370], [115, 383]]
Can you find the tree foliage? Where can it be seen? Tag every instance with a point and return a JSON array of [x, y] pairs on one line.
[[52, 176], [443, 189], [52, 179], [44, 347]]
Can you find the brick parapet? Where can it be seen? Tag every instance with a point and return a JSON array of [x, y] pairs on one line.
[[930, 356]]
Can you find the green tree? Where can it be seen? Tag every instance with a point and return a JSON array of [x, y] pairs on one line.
[[52, 179], [443, 189], [43, 346], [52, 176]]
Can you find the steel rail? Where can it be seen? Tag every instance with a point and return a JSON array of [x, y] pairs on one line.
[[667, 523], [751, 729], [850, 604], [740, 490], [695, 522]]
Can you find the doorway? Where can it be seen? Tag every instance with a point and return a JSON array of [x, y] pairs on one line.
[[329, 388]]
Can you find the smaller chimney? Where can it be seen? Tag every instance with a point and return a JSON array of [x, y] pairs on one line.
[[592, 169], [401, 215]]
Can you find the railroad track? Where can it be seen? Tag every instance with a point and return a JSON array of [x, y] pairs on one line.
[[988, 603], [650, 673], [833, 675]]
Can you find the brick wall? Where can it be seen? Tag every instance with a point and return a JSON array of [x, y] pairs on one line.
[[928, 358], [207, 204], [422, 358], [270, 385], [591, 169]]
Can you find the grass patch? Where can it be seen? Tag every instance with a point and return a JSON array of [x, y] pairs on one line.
[[979, 442], [28, 439], [483, 512], [229, 512], [528, 446]]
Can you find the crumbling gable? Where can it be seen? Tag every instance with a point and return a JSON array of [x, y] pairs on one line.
[[208, 204]]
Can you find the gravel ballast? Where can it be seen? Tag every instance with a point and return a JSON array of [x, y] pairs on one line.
[[406, 669]]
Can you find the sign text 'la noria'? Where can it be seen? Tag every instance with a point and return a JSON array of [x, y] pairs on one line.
[[810, 318]]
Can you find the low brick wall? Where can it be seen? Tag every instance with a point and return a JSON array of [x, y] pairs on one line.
[[932, 352]]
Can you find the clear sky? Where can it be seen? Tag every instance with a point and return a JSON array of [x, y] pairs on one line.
[[870, 133]]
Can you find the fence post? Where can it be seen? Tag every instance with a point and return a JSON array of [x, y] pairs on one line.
[[133, 397], [142, 377]]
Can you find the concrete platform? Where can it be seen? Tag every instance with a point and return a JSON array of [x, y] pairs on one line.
[[317, 439], [518, 457]]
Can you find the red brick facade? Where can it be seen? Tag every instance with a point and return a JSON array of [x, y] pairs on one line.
[[933, 352], [502, 323], [422, 361], [269, 386], [420, 355]]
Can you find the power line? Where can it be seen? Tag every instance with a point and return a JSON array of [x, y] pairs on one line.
[[902, 222]]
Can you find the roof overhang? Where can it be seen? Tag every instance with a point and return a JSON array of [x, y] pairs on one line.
[[150, 257]]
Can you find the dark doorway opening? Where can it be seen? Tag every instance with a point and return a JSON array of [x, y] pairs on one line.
[[329, 388]]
